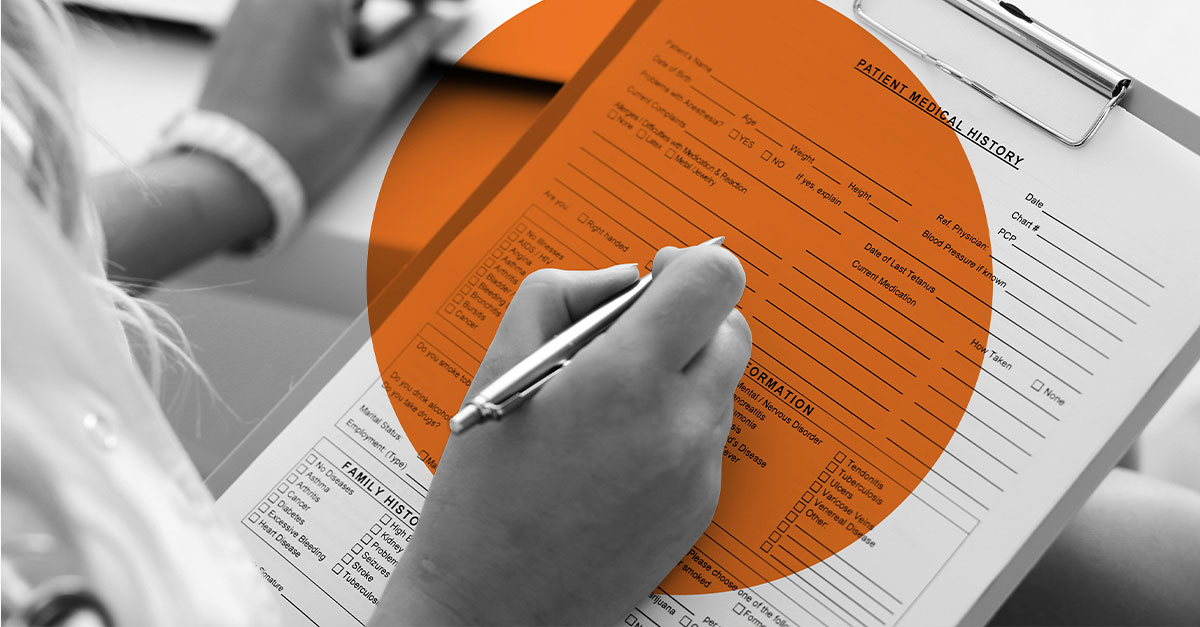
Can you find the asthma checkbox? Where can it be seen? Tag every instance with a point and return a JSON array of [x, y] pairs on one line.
[[1037, 385], [840, 457], [766, 155], [254, 518], [302, 469], [337, 569], [356, 549], [824, 477], [831, 466], [775, 536]]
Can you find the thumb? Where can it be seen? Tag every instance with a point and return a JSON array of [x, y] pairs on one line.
[[547, 302]]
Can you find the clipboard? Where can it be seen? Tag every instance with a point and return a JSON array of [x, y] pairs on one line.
[[1158, 111]]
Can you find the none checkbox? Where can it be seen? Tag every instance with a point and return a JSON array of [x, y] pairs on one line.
[[1037, 385], [311, 459]]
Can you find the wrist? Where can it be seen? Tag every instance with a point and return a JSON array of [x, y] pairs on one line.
[[223, 205]]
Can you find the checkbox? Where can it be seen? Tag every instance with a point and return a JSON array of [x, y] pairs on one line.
[[790, 516], [480, 270], [807, 498], [385, 519], [512, 236], [766, 155], [670, 153], [291, 478], [457, 298], [815, 487], [823, 477], [840, 457], [376, 528], [302, 469], [337, 569], [449, 308], [520, 227], [473, 280], [612, 115], [641, 134], [739, 609], [685, 620], [582, 217], [496, 253], [504, 245], [311, 458], [487, 263], [464, 289], [733, 134], [1037, 385], [356, 549], [280, 488], [366, 539], [272, 497], [630, 620], [766, 547], [782, 526], [831, 466], [346, 558], [775, 536], [254, 517]]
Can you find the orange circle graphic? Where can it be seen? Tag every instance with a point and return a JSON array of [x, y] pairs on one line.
[[866, 250]]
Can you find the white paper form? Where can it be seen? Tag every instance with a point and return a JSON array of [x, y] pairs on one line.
[[1092, 296]]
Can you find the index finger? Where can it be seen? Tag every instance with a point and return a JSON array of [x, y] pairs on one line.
[[683, 308]]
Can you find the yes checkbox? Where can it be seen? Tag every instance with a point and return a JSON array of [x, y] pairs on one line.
[[733, 134]]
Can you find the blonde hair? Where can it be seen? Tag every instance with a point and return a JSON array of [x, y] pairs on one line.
[[38, 97]]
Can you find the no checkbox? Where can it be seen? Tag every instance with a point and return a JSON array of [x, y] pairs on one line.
[[310, 459], [766, 155]]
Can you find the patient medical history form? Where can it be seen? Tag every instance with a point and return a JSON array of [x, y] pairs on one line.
[[953, 316]]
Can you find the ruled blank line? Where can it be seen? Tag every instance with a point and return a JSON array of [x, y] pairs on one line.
[[1080, 287], [1097, 272], [981, 421], [1051, 295], [964, 437], [876, 297], [1111, 253]]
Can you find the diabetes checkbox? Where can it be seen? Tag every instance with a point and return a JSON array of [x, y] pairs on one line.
[[272, 497], [1037, 385]]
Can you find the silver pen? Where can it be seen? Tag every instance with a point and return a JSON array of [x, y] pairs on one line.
[[523, 380]]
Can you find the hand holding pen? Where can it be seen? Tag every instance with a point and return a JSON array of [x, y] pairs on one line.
[[617, 457]]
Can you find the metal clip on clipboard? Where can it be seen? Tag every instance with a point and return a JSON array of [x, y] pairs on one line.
[[1008, 20]]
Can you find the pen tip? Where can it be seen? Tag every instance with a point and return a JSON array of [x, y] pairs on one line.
[[716, 241], [466, 418]]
